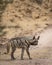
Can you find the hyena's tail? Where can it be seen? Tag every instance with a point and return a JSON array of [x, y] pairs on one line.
[[7, 48]]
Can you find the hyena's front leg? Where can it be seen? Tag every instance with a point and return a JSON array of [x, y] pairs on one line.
[[12, 53], [27, 50], [22, 53]]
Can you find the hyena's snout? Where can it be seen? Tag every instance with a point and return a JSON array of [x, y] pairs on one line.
[[36, 43]]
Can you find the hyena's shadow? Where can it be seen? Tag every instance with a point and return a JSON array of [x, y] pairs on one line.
[[14, 60], [5, 60]]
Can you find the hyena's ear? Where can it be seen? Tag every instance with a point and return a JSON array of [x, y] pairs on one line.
[[38, 37], [33, 37]]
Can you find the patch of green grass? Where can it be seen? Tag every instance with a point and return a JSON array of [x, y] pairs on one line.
[[1, 30]]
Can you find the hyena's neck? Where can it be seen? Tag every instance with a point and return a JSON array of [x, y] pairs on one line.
[[28, 43]]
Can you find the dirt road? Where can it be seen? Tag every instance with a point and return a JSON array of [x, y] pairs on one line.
[[41, 54]]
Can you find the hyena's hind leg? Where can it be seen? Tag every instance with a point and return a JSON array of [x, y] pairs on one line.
[[28, 53], [12, 53], [22, 53]]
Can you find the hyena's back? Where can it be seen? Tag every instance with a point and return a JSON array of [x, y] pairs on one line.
[[19, 42]]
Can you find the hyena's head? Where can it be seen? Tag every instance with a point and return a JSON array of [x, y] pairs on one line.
[[35, 40]]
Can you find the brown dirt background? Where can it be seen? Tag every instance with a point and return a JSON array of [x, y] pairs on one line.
[[27, 18]]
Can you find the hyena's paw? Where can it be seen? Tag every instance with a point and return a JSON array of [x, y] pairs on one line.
[[30, 58], [5, 53], [22, 59], [13, 58]]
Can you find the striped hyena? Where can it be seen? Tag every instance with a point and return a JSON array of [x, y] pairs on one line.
[[23, 43]]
